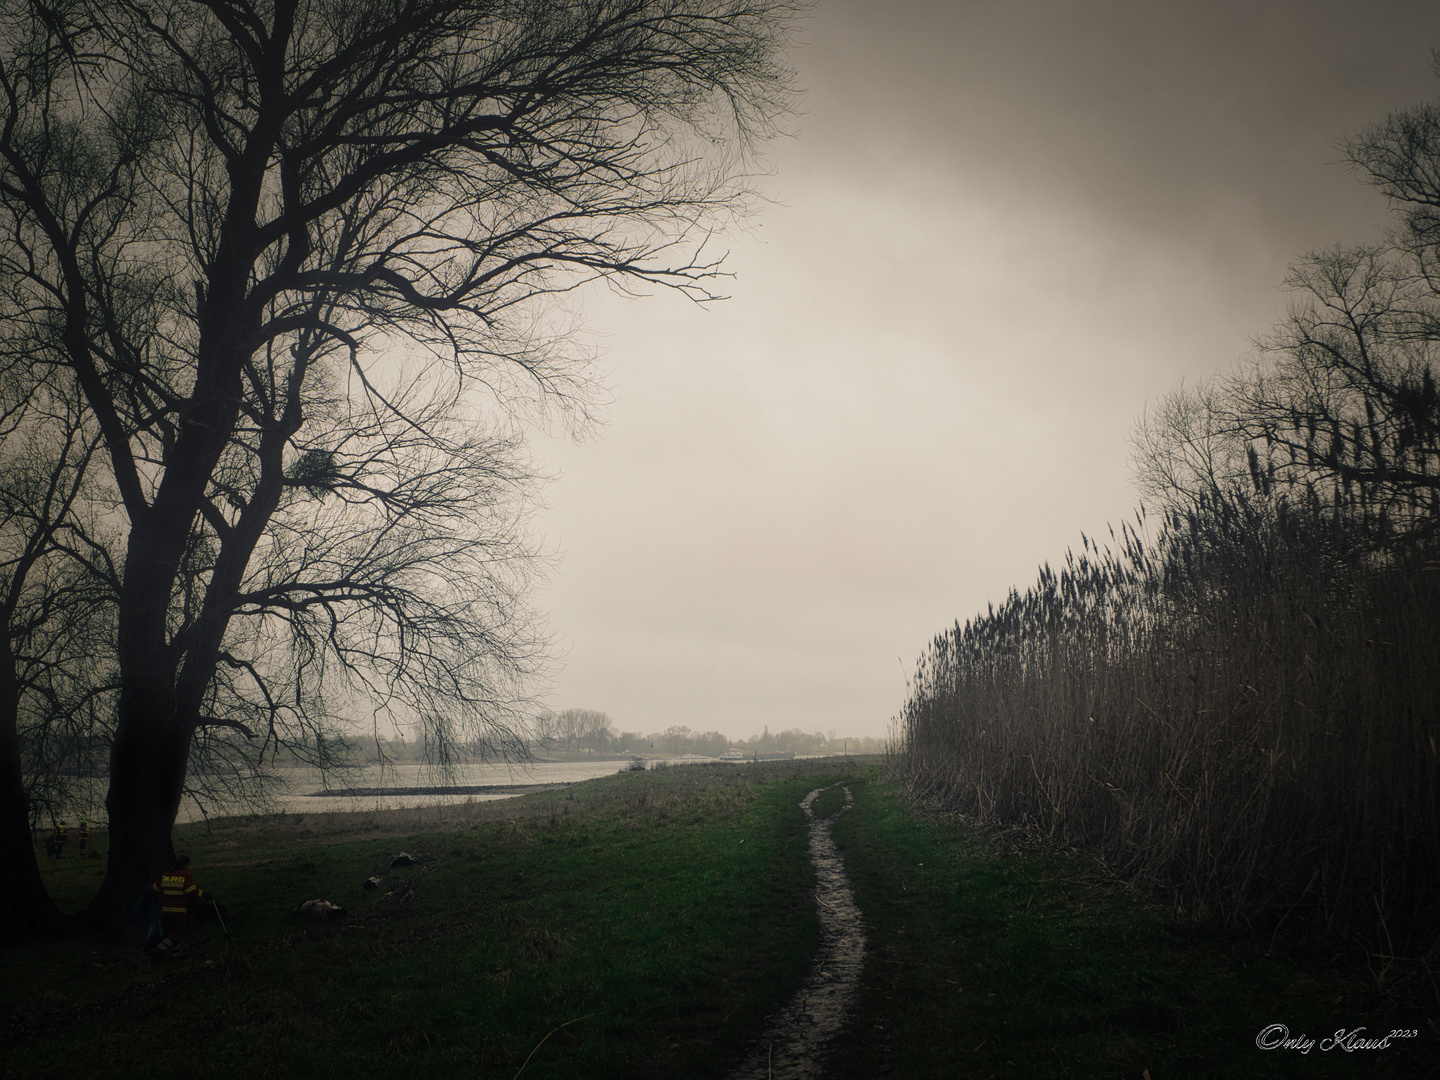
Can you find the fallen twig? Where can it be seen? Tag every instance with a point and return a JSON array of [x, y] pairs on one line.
[[547, 1035]]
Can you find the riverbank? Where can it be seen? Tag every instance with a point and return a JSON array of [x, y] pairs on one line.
[[499, 790], [646, 925]]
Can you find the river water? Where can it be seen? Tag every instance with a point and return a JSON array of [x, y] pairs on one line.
[[393, 787]]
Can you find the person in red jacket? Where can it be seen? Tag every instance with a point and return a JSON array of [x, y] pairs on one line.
[[176, 888], [59, 840], [83, 837]]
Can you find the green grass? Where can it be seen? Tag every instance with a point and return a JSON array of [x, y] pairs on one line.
[[641, 926], [986, 960], [828, 802], [644, 925]]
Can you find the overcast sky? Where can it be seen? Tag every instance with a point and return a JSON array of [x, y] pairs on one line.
[[999, 230]]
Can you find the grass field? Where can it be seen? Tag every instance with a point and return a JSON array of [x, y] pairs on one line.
[[643, 925], [989, 958]]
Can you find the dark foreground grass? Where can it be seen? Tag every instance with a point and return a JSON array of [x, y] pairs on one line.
[[989, 961], [644, 925], [640, 925]]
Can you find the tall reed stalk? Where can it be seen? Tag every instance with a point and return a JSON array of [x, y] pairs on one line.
[[1242, 712]]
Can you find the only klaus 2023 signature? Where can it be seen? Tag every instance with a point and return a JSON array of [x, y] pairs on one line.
[[1278, 1037]]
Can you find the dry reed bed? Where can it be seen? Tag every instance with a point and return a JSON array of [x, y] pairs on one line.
[[1243, 712]]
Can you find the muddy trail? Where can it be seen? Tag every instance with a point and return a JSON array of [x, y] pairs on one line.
[[797, 1040]]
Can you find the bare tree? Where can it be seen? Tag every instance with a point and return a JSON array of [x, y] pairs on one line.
[[255, 234], [584, 729], [1342, 395], [58, 586], [1344, 391], [1338, 403], [544, 730], [1187, 446]]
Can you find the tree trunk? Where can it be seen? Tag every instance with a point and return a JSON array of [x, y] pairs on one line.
[[152, 735], [147, 778], [26, 910]]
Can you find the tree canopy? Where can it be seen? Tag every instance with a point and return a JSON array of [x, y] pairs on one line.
[[280, 281]]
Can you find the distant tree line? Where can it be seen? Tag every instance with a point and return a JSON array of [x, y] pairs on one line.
[[585, 732], [1236, 699], [588, 731]]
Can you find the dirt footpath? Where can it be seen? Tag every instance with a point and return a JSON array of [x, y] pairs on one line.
[[797, 1040]]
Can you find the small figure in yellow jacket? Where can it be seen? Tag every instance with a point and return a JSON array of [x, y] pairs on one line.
[[176, 888]]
